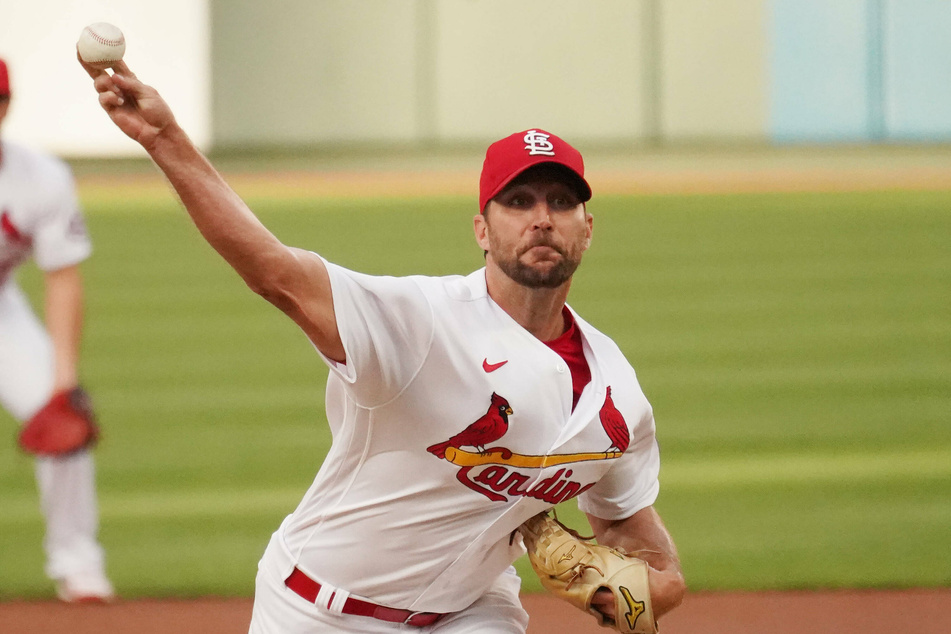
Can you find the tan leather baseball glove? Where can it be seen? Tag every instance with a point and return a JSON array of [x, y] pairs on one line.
[[64, 425], [573, 568]]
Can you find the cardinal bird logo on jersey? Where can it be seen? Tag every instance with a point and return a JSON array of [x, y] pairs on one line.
[[614, 425], [501, 474], [490, 427]]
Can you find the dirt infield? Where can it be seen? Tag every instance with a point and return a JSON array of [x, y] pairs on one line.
[[837, 612], [672, 171]]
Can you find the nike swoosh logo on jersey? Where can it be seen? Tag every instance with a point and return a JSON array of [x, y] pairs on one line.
[[492, 367]]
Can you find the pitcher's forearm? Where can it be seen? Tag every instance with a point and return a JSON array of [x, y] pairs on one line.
[[218, 212], [294, 280]]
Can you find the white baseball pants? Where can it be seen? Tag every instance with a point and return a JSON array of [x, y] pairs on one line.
[[66, 485], [279, 610]]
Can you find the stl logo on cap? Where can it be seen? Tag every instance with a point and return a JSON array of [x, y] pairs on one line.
[[537, 143], [507, 158]]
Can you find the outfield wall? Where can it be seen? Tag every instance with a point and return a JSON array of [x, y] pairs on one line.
[[425, 73], [450, 71], [615, 71], [860, 70]]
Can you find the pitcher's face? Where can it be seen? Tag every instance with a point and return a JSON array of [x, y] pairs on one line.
[[536, 232]]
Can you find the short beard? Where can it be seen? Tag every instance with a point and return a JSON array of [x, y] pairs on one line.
[[533, 278]]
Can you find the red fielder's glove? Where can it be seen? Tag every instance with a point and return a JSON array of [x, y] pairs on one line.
[[64, 425]]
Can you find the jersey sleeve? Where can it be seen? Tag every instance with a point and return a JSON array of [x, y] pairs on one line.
[[61, 238], [632, 483], [386, 325]]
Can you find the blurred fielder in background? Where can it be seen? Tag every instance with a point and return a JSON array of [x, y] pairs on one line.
[[460, 407], [40, 218]]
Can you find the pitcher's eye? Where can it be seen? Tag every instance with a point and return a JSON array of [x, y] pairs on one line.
[[563, 202]]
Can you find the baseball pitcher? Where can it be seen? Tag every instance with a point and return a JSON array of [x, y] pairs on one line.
[[463, 408]]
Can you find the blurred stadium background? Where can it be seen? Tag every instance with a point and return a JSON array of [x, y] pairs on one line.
[[435, 73], [772, 178]]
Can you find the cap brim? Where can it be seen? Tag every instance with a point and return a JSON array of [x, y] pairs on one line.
[[584, 189]]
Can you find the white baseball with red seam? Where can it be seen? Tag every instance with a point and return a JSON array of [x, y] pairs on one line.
[[101, 45]]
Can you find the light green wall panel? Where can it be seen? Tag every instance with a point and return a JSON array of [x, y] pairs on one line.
[[572, 66], [621, 72], [300, 73], [713, 69]]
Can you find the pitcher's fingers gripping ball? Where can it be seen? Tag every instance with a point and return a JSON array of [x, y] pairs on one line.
[[137, 109], [574, 569], [101, 45], [64, 425]]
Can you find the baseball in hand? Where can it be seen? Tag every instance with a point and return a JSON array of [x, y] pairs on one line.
[[101, 45]]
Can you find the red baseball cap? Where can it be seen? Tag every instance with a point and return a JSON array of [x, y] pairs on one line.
[[4, 80], [509, 157]]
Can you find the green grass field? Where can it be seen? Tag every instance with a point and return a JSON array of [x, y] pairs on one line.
[[796, 349]]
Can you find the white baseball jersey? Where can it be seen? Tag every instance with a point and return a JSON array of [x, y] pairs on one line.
[[452, 425], [39, 212]]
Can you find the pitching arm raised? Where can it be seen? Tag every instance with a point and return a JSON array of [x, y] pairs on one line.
[[294, 280]]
